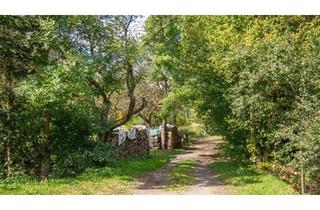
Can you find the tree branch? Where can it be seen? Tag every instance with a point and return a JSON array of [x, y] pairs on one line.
[[104, 96], [126, 119]]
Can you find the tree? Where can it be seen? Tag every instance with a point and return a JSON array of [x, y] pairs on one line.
[[112, 49], [49, 93], [21, 52], [247, 73]]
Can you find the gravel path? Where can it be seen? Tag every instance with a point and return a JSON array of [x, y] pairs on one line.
[[205, 181]]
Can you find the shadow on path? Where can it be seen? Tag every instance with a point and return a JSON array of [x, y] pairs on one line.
[[205, 181]]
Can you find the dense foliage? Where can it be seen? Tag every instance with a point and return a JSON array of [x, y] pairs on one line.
[[58, 75], [256, 80], [67, 81]]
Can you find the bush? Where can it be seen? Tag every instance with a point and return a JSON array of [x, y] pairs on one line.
[[95, 154], [103, 154], [72, 163]]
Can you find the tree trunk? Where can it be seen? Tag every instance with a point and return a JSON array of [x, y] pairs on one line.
[[45, 166], [104, 122], [45, 161], [9, 121], [104, 119], [8, 161], [303, 188]]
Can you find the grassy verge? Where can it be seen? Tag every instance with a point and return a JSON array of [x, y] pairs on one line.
[[248, 180], [180, 177], [118, 179]]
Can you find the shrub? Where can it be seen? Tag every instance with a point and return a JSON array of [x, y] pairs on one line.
[[94, 154], [72, 163], [103, 154]]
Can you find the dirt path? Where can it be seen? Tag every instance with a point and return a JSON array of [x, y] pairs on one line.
[[205, 181]]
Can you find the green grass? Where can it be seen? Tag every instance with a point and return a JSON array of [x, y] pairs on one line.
[[180, 177], [248, 180], [118, 179]]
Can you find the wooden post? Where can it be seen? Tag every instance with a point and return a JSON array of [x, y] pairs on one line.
[[163, 136]]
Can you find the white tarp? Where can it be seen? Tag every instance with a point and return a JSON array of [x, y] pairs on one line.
[[153, 132], [121, 136], [132, 133], [140, 127]]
